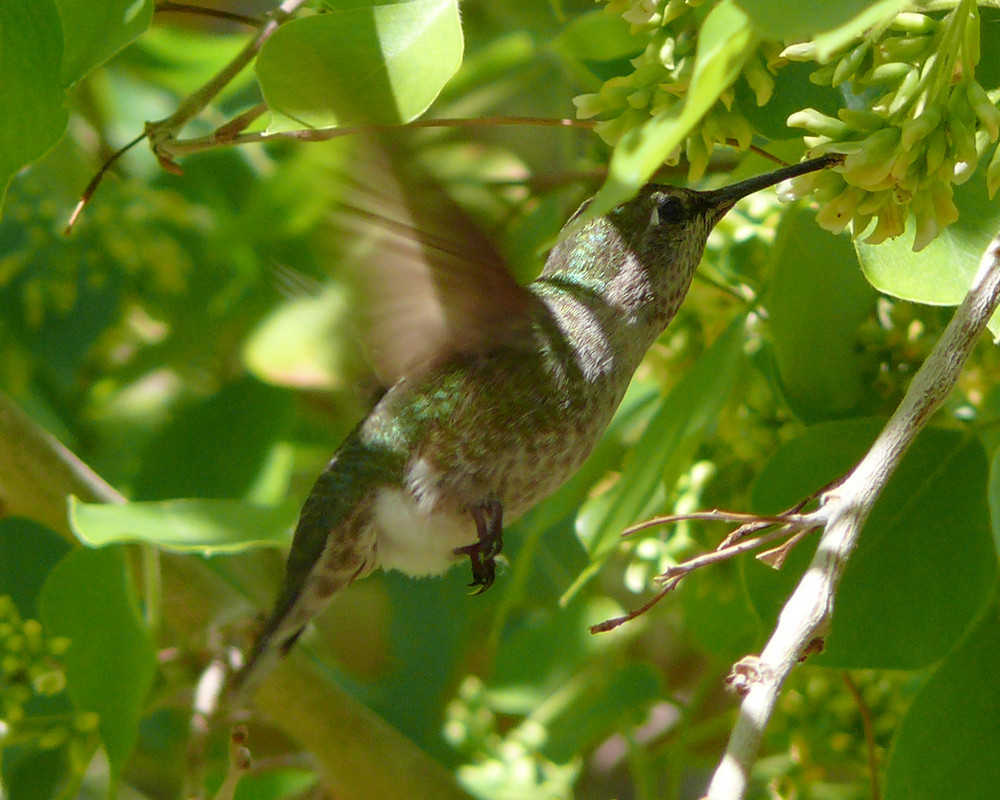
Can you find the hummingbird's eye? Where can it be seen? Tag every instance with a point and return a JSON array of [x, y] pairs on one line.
[[670, 210]]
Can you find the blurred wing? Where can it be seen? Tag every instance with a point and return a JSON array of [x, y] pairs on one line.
[[430, 283]]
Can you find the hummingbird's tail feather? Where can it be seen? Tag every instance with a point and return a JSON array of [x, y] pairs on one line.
[[295, 608], [273, 644], [334, 545]]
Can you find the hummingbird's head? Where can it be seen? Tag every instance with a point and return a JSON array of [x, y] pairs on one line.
[[639, 257]]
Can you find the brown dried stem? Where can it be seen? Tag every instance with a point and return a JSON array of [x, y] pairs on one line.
[[789, 523]]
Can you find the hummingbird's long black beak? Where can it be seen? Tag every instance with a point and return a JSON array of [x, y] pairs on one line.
[[725, 198]]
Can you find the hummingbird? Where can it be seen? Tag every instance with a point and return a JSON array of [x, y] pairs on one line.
[[498, 393]]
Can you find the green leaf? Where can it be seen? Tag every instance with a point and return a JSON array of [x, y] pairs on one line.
[[364, 63], [612, 701], [32, 774], [941, 273], [302, 343], [994, 489], [947, 745], [31, 91], [665, 450], [792, 91], [542, 651], [111, 663], [97, 29], [276, 784], [781, 20], [925, 563], [869, 15], [219, 447], [597, 36], [815, 304], [208, 527], [725, 42], [28, 552], [718, 614]]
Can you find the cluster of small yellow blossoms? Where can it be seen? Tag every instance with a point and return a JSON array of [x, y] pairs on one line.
[[916, 121], [662, 76], [30, 666], [927, 125], [502, 765]]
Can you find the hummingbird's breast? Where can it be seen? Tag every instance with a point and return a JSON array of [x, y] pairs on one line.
[[512, 425]]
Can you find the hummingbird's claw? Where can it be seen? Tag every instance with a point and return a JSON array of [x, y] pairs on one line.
[[483, 575], [483, 554]]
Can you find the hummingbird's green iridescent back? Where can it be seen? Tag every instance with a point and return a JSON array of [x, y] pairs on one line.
[[505, 410]]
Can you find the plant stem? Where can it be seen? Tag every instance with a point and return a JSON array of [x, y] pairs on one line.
[[164, 130]]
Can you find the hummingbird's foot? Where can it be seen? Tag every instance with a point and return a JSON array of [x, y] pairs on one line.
[[483, 554]]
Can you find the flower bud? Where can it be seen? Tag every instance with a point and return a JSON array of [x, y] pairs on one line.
[[984, 109], [911, 22], [914, 130], [817, 122], [888, 74], [849, 65], [993, 173], [861, 119], [906, 92]]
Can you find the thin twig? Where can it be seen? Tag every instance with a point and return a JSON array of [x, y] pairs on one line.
[[614, 622], [179, 147], [202, 11], [797, 527], [775, 558], [239, 123], [844, 509], [205, 706], [869, 729], [163, 131], [797, 524], [239, 764], [91, 187], [712, 515]]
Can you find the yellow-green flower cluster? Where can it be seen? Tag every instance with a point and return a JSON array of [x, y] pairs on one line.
[[30, 662], [662, 76], [926, 124], [31, 665], [503, 765]]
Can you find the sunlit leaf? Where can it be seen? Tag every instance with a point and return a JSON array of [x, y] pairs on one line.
[[942, 272], [301, 344], [97, 29], [31, 91], [365, 62], [794, 19], [208, 527]]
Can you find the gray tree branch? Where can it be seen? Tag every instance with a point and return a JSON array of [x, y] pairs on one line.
[[842, 514]]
